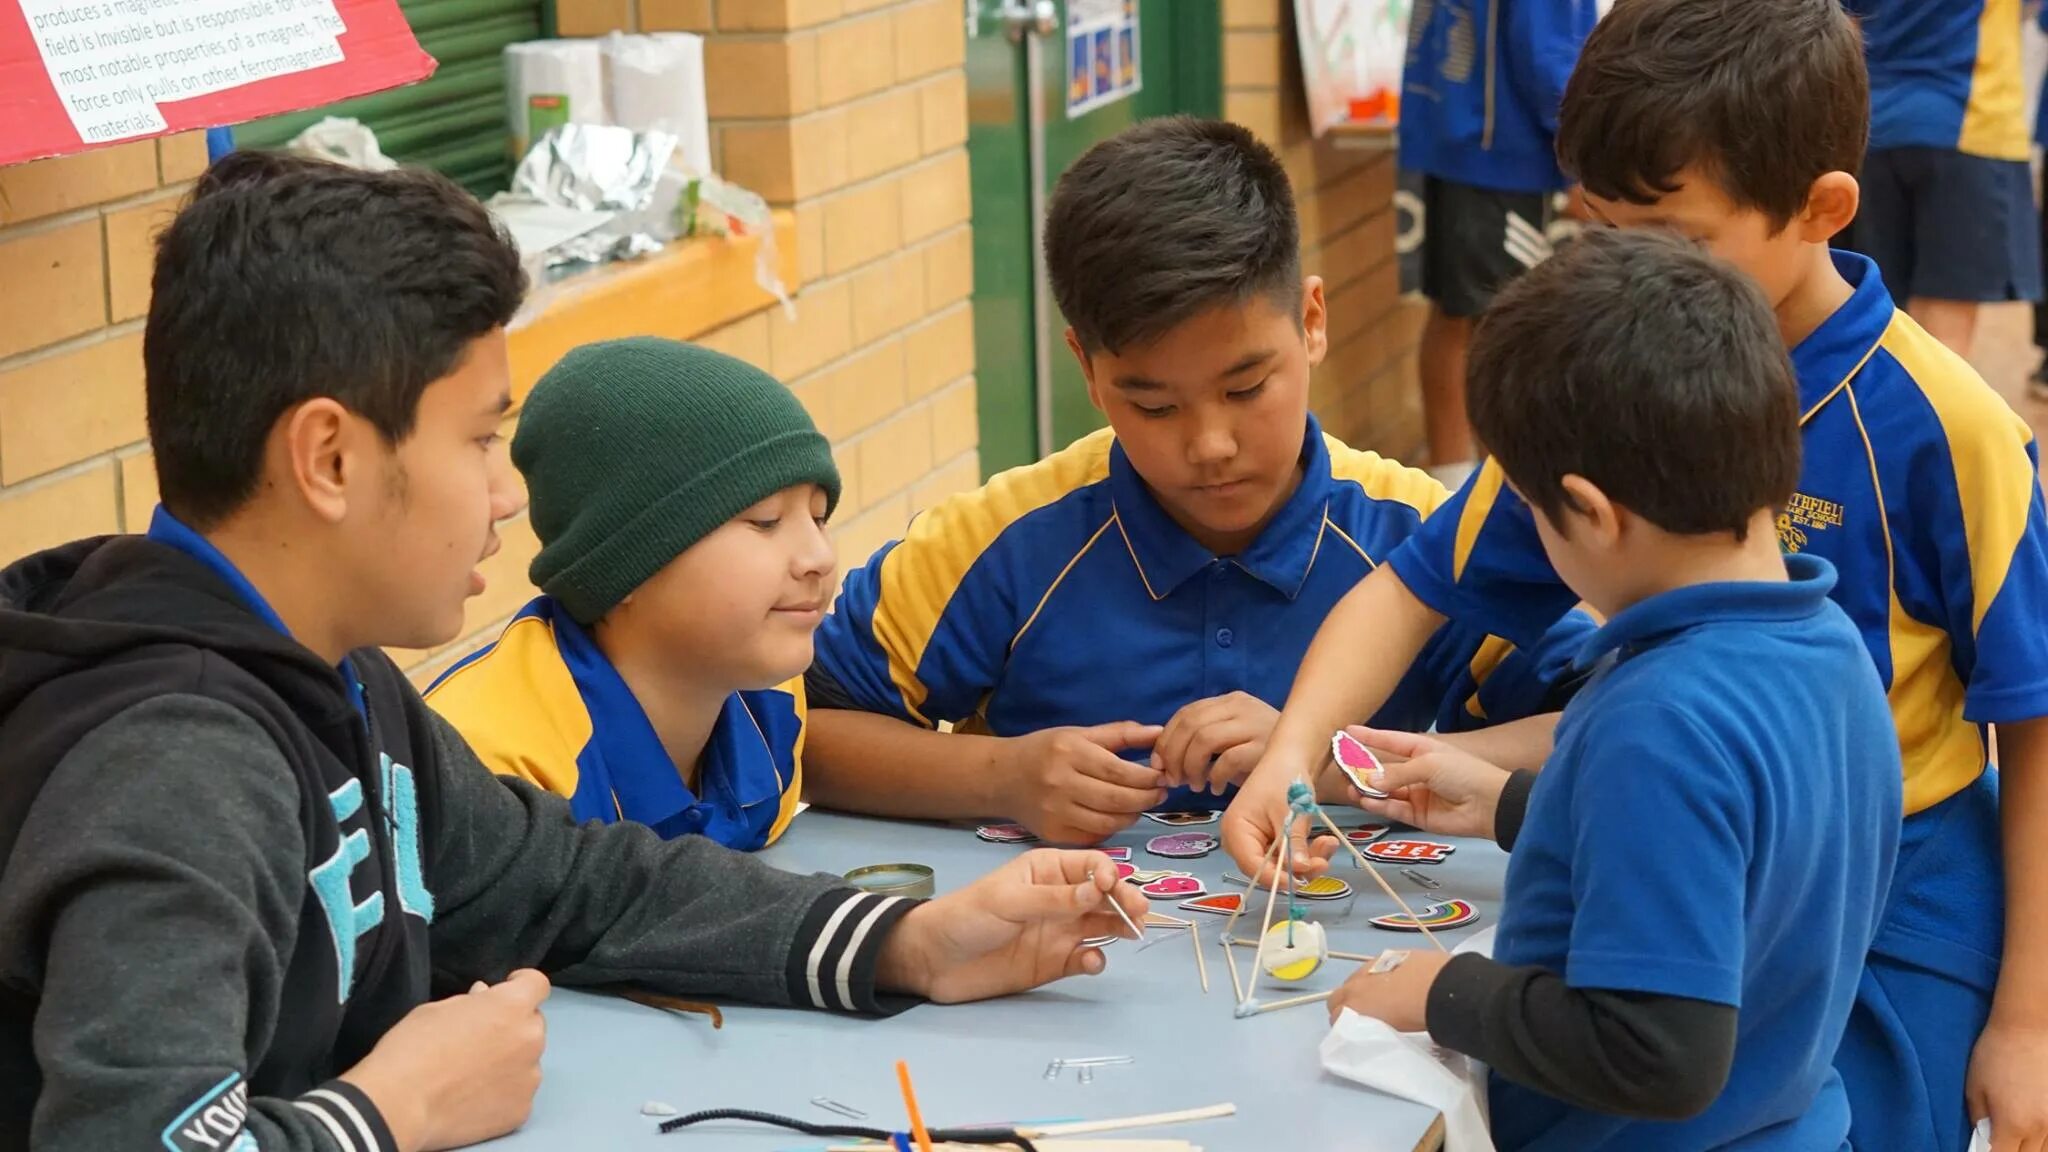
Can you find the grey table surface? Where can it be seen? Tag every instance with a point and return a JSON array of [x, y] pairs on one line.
[[986, 1062]]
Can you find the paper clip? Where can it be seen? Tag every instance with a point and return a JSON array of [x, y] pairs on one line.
[[1419, 878], [831, 1105]]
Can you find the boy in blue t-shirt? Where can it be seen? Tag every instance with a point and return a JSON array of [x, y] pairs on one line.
[[1703, 862], [1740, 125], [1479, 95]]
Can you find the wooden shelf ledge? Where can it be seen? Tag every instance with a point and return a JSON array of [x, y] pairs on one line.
[[691, 287]]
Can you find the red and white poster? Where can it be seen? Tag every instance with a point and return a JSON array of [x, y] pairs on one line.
[[79, 74]]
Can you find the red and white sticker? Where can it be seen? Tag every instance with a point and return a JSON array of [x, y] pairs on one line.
[[1409, 851]]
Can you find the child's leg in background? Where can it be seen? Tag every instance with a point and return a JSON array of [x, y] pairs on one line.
[[1474, 241], [1926, 992]]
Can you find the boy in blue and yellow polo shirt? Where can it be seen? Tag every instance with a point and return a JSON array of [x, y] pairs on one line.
[[1124, 616], [1919, 486], [1948, 196], [680, 497]]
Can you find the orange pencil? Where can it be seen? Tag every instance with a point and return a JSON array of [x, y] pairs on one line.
[[924, 1138]]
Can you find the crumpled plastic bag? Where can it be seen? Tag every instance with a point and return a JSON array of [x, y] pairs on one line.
[[1410, 1066], [344, 141]]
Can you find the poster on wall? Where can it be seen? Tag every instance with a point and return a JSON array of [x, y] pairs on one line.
[[1351, 57], [1103, 65], [80, 74]]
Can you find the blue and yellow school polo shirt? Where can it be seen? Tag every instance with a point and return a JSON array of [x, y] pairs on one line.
[[543, 704], [1061, 593], [1945, 74], [1919, 486], [1671, 848]]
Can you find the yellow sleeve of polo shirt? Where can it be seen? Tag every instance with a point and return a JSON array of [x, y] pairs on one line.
[[793, 788], [517, 706]]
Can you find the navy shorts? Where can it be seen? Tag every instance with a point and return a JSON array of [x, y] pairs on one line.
[[1475, 240], [1949, 226]]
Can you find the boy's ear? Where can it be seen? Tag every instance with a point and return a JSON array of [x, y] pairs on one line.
[[1594, 519], [1315, 319], [1087, 370], [318, 441], [1830, 205]]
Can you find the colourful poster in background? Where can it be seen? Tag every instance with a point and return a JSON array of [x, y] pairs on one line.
[[79, 74], [1351, 57], [1102, 54]]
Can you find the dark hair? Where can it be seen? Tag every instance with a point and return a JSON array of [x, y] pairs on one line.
[[1166, 220], [1765, 96], [285, 279], [1635, 360]]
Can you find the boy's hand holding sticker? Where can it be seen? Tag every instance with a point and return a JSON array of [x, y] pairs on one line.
[[1437, 788], [1070, 786]]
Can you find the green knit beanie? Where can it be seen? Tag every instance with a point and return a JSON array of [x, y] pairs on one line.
[[635, 449]]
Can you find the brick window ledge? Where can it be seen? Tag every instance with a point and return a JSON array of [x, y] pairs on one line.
[[688, 289]]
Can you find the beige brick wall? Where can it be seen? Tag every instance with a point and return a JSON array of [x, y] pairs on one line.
[[853, 113], [1366, 391], [76, 237]]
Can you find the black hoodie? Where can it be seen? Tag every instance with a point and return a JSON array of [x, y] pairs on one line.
[[220, 883]]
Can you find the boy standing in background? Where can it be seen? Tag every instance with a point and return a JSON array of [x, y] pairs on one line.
[[1479, 97], [1948, 196]]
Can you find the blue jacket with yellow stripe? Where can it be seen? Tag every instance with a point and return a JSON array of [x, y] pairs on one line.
[[1945, 74], [1061, 593], [544, 704]]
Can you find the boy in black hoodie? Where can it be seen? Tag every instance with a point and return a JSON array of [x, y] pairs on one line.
[[238, 856]]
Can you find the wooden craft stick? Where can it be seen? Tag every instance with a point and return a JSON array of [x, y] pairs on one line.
[[1090, 1127], [1201, 965], [1291, 1001], [1379, 879], [1082, 1144], [1358, 956]]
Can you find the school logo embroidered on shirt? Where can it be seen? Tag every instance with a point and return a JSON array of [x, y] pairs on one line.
[[1804, 515]]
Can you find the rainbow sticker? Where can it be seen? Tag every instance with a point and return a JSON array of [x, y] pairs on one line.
[[1435, 917]]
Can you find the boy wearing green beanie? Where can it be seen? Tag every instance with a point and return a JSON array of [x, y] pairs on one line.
[[680, 497]]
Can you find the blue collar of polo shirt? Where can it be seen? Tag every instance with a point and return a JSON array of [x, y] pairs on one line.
[[1167, 556], [1833, 353], [1811, 578]]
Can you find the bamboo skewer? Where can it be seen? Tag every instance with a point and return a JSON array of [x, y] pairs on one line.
[[1272, 898], [1378, 879], [1201, 965], [1292, 1001]]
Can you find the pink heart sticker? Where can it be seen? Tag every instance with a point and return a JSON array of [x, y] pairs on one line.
[[1173, 888]]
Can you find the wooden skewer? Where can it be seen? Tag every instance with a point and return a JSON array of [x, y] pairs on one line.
[[1379, 879], [1272, 898], [1275, 1006], [1230, 957], [1359, 956], [1201, 965], [1089, 1127]]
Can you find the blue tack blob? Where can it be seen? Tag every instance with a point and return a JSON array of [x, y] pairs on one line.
[[1301, 800], [1244, 1010]]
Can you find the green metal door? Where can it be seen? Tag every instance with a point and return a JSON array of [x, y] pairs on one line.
[[1021, 137]]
